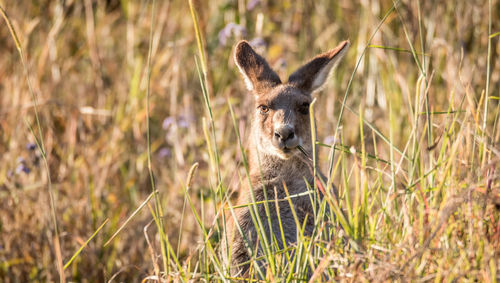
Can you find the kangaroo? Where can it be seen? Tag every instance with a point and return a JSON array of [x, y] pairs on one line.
[[280, 142]]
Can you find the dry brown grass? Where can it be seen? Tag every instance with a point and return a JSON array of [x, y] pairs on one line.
[[428, 218]]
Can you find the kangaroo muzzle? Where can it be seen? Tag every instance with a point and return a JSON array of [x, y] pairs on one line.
[[285, 138]]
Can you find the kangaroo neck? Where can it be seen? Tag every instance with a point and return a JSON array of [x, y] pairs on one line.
[[266, 168]]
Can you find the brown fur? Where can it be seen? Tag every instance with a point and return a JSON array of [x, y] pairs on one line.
[[280, 123]]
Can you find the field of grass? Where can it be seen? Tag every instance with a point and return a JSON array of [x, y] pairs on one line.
[[106, 106]]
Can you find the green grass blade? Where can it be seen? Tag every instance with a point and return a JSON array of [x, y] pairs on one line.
[[85, 244], [151, 195]]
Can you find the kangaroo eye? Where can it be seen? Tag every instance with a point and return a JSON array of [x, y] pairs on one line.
[[304, 108], [263, 109]]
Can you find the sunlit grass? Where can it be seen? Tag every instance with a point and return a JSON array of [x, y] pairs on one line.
[[411, 115]]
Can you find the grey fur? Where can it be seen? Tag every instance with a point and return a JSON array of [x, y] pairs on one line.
[[271, 162]]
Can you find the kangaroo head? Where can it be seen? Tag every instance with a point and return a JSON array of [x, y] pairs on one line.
[[281, 116]]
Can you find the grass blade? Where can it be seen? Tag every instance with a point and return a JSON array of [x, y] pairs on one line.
[[40, 144], [85, 244], [151, 195]]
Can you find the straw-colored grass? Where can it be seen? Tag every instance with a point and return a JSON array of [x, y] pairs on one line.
[[124, 124]]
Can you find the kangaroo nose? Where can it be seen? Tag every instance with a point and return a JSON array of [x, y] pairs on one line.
[[284, 133]]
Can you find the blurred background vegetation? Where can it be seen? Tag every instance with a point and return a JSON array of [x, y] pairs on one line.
[[87, 62]]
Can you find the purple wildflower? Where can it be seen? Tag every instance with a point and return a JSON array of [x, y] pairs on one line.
[[180, 121], [164, 152], [168, 122], [258, 42], [252, 4], [31, 146], [183, 122], [330, 140], [281, 63], [229, 30], [22, 168]]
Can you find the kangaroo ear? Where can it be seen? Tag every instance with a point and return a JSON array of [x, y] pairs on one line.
[[313, 75], [255, 70]]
